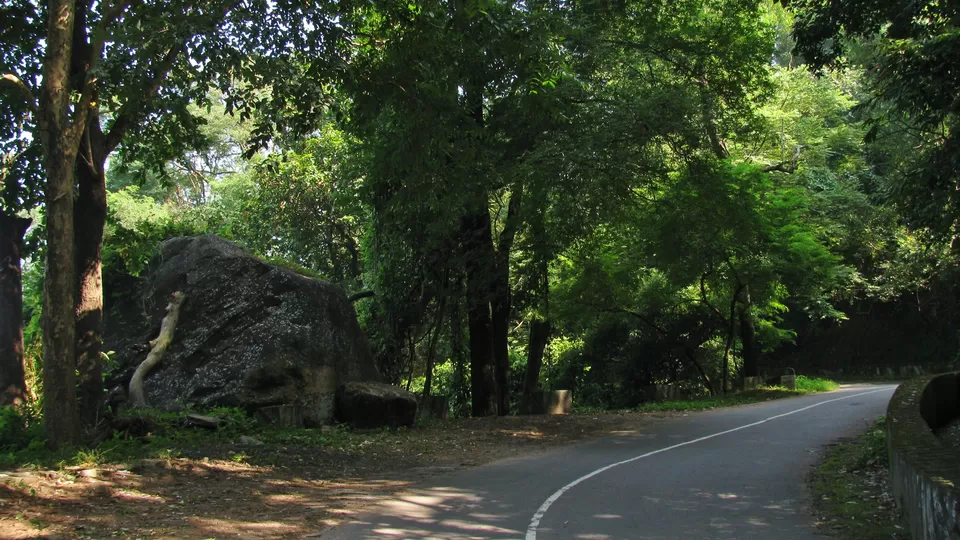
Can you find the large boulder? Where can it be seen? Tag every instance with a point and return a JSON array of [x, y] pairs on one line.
[[370, 405], [250, 334]]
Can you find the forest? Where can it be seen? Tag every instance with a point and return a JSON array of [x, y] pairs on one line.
[[595, 195]]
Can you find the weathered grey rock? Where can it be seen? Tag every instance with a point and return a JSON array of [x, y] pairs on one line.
[[371, 405], [250, 334]]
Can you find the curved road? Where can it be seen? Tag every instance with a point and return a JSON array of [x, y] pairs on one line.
[[728, 473]]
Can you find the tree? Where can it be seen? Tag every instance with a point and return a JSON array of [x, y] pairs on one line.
[[910, 52], [20, 189], [128, 62]]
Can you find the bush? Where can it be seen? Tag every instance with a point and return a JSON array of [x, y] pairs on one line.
[[17, 431]]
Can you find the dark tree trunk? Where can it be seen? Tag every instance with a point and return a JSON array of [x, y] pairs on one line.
[[456, 343], [90, 217], [693, 359], [13, 388], [502, 302], [730, 337], [59, 135], [432, 346], [479, 264], [501, 351], [539, 335], [60, 411], [748, 339]]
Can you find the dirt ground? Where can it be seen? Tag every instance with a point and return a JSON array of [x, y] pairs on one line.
[[266, 491]]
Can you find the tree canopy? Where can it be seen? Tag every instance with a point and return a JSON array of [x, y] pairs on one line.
[[520, 195]]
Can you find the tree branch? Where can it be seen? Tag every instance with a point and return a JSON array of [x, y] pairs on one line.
[[133, 108], [784, 166], [25, 91], [360, 295], [98, 39]]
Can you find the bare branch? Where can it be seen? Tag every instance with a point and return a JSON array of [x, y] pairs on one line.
[[784, 166]]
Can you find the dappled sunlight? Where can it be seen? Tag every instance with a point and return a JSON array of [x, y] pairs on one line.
[[181, 499], [477, 527], [220, 491], [239, 526], [692, 513], [439, 512]]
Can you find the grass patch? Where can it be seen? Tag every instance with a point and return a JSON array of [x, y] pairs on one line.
[[805, 385], [162, 436], [815, 384], [713, 402], [850, 489]]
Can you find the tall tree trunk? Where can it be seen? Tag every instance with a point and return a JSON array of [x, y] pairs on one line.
[[539, 335], [748, 337], [432, 346], [90, 215], [60, 411], [59, 134], [479, 264], [730, 337], [703, 374], [13, 388], [500, 317], [502, 304], [456, 343]]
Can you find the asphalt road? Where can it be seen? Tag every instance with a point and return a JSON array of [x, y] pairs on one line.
[[728, 473]]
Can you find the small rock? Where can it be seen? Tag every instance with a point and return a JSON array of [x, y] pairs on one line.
[[372, 405]]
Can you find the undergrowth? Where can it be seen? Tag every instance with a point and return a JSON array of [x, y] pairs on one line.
[[815, 384], [161, 435], [805, 385], [850, 491]]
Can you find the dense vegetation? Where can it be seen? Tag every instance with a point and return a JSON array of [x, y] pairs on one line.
[[599, 196]]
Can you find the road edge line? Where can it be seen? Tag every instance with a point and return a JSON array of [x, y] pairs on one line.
[[542, 511]]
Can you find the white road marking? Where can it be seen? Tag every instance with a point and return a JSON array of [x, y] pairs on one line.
[[535, 521]]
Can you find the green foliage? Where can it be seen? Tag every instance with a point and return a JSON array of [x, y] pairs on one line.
[[815, 384], [910, 55], [136, 225], [666, 183]]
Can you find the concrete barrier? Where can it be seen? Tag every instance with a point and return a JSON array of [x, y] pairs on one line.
[[924, 472], [551, 402], [433, 407]]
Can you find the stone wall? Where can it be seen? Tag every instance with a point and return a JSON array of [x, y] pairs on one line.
[[925, 473]]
